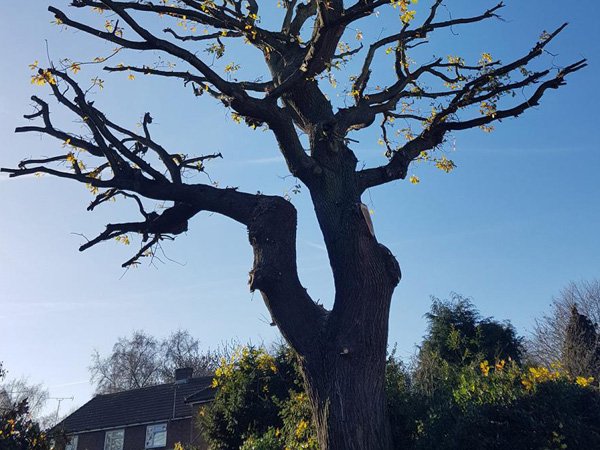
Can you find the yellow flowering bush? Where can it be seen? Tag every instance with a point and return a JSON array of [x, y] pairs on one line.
[[505, 381], [252, 386], [298, 432], [505, 405], [488, 383], [536, 375]]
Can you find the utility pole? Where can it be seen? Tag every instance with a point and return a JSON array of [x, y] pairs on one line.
[[59, 400]]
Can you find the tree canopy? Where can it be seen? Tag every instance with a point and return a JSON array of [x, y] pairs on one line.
[[460, 336], [457, 337], [311, 43]]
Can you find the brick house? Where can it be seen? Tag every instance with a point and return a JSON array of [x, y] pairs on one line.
[[154, 417]]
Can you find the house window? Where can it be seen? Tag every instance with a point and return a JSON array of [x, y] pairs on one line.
[[72, 442], [114, 440], [156, 436]]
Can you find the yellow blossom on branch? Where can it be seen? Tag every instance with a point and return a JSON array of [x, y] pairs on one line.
[[43, 76], [485, 368], [445, 164], [583, 381]]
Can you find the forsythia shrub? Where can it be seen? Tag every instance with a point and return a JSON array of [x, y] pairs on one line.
[[252, 386], [455, 397]]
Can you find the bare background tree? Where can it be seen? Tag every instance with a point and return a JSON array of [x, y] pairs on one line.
[[14, 391], [547, 343], [143, 360], [417, 104], [180, 349]]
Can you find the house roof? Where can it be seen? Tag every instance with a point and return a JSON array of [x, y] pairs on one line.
[[206, 394], [144, 405]]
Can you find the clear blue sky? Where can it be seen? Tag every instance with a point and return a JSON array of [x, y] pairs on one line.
[[515, 222]]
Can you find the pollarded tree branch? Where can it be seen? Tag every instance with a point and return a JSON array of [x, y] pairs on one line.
[[330, 24], [304, 11], [233, 94], [403, 39], [533, 100], [225, 21], [271, 221], [161, 44], [203, 37], [289, 15], [188, 77], [361, 9], [147, 249], [368, 105], [197, 14], [113, 193], [114, 148], [49, 129], [172, 221], [434, 134], [488, 84], [150, 42], [321, 49], [62, 18], [254, 111], [108, 143]]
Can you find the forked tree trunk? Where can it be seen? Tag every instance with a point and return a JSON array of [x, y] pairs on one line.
[[342, 352]]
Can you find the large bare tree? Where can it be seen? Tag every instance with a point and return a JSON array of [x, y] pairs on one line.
[[417, 104], [143, 360]]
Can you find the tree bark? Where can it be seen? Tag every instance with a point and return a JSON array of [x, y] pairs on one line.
[[347, 395], [345, 374], [342, 352]]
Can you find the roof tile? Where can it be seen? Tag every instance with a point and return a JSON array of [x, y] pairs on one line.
[[149, 404]]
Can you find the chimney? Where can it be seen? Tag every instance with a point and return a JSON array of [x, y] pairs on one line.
[[183, 374]]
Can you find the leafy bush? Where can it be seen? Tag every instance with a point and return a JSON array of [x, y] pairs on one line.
[[252, 387], [468, 390]]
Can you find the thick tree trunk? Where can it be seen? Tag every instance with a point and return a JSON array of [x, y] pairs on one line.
[[347, 393], [342, 351], [345, 375]]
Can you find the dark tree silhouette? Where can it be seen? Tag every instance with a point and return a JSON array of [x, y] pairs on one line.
[[457, 336], [580, 355], [343, 350], [461, 336]]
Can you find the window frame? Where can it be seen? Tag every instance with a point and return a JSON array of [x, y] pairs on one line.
[[111, 433], [151, 433], [72, 442]]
